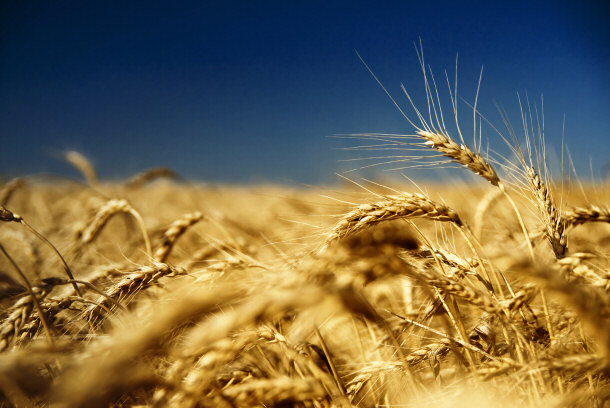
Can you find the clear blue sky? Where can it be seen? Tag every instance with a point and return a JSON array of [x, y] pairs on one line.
[[241, 91]]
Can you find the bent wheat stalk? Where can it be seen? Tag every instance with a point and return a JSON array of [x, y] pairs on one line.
[[484, 205], [112, 207]]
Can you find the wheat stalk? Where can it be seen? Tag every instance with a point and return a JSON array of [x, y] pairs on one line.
[[112, 207], [9, 216]]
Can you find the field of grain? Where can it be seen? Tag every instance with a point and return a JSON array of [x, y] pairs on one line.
[[157, 292], [162, 293]]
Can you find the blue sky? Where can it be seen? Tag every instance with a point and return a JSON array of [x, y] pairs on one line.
[[248, 91]]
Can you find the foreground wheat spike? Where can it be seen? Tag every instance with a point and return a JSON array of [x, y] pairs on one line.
[[174, 232], [274, 392], [391, 207], [429, 351], [580, 215], [460, 153], [105, 213], [21, 310], [94, 381], [554, 224]]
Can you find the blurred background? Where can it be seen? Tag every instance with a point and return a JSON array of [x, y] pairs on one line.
[[242, 91]]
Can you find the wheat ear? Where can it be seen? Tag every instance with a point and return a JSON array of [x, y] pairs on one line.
[[462, 154], [554, 225], [34, 299], [391, 207], [149, 175], [276, 391], [132, 283], [173, 233], [83, 165], [580, 215]]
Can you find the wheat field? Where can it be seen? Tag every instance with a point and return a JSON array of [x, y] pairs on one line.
[[157, 292], [160, 293]]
